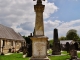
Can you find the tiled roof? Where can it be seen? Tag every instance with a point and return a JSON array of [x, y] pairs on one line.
[[9, 33]]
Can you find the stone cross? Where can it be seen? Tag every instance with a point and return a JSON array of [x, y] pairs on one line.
[[39, 25], [39, 41], [39, 1]]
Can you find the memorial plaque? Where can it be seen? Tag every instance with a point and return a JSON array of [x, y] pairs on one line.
[[39, 49]]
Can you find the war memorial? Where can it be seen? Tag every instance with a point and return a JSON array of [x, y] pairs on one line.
[[39, 40]]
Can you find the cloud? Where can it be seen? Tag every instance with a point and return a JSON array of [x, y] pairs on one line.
[[50, 8], [62, 27], [74, 24], [20, 15], [49, 25]]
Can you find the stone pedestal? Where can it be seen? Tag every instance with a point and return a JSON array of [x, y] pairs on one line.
[[39, 48], [56, 49], [39, 41]]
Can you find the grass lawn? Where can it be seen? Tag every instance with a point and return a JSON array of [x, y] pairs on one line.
[[18, 56], [15, 56], [59, 57]]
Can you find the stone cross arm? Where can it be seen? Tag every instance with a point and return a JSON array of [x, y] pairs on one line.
[[38, 0]]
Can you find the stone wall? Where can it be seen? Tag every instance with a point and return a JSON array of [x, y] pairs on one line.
[[18, 45], [10, 45]]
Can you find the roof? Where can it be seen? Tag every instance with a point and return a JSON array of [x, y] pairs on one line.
[[9, 33], [64, 41]]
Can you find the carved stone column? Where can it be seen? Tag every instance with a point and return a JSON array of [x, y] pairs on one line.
[[39, 41], [39, 25]]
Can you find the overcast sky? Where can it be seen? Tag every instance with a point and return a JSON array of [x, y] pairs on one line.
[[61, 14]]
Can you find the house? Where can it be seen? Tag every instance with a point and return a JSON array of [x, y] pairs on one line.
[[64, 42], [10, 41]]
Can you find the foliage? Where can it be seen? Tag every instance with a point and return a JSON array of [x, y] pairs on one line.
[[78, 55], [29, 45], [49, 51], [62, 38], [50, 43], [79, 39], [72, 35], [28, 40]]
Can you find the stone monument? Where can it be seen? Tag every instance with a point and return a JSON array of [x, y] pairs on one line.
[[73, 53], [67, 47], [56, 44], [39, 41]]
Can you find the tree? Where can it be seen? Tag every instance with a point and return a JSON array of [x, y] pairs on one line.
[[62, 38], [72, 35], [27, 39], [29, 45], [50, 43]]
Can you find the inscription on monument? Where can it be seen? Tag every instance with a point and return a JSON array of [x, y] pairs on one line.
[[39, 49]]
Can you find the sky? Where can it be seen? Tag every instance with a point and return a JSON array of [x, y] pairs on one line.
[[61, 14]]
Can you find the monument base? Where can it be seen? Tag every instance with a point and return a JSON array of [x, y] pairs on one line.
[[40, 58], [39, 48]]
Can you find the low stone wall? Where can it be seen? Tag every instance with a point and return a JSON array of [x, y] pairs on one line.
[[5, 50], [10, 46]]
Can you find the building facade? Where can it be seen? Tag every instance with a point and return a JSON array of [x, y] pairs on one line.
[[10, 41]]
